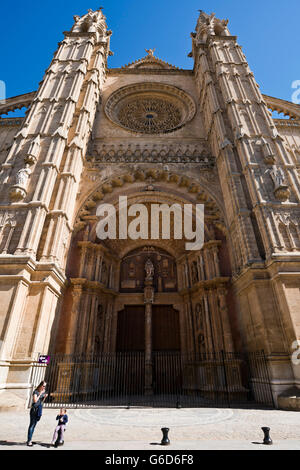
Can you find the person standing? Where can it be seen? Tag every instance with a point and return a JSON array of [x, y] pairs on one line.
[[38, 398]]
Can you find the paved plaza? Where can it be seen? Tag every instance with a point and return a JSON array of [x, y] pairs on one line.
[[140, 429]]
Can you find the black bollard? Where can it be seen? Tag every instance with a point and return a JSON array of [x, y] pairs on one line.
[[165, 440], [267, 439]]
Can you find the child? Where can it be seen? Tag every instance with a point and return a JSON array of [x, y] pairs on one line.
[[62, 419]]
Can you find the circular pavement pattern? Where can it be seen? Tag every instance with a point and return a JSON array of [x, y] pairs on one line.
[[153, 417]]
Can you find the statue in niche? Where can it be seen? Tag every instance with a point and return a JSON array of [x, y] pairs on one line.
[[281, 189], [277, 176], [22, 176], [149, 268]]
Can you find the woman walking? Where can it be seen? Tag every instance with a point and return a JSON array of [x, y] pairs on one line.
[[36, 409]]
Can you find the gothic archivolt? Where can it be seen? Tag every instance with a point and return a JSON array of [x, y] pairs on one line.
[[150, 108], [176, 247], [186, 190]]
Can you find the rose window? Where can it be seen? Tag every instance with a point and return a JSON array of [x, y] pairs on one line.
[[150, 116], [150, 108]]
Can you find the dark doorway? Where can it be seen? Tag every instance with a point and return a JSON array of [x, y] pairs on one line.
[[165, 328], [166, 362], [131, 329]]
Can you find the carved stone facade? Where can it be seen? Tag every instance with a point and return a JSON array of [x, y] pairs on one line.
[[158, 135]]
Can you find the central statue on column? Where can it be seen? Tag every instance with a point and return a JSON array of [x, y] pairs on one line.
[[148, 289], [149, 268]]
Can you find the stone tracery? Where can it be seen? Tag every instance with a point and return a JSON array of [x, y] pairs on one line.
[[149, 115], [150, 107]]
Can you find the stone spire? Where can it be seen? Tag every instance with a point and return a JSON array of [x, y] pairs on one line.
[[92, 22], [43, 171], [209, 25]]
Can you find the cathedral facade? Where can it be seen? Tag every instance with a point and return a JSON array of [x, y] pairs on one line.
[[156, 134]]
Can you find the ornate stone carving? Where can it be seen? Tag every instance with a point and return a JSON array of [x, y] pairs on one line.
[[149, 116], [288, 228], [149, 268], [17, 194], [148, 294], [159, 153], [150, 52], [282, 193], [277, 176], [150, 108], [19, 190], [92, 22], [23, 176], [33, 151], [8, 222], [268, 153], [281, 189], [209, 25], [150, 62]]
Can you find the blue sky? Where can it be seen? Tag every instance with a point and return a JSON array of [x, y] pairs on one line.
[[267, 30]]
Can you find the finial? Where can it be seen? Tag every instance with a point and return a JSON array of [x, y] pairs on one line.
[[101, 8], [150, 52]]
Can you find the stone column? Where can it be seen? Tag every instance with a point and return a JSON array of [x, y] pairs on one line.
[[92, 323], [108, 315], [73, 321], [148, 299], [148, 349], [208, 326], [227, 336]]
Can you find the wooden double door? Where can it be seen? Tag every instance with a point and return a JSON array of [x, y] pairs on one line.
[[165, 367], [131, 329]]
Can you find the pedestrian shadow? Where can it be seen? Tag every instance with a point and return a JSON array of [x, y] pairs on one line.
[[42, 444], [24, 444], [11, 443]]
